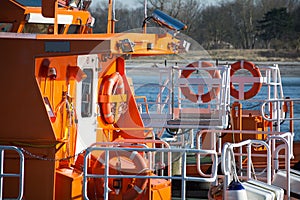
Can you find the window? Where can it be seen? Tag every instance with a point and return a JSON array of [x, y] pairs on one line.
[[87, 94], [73, 29], [5, 27]]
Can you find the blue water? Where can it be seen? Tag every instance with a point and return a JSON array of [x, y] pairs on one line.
[[291, 88], [147, 84]]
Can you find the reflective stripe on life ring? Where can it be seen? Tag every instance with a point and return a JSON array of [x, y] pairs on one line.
[[140, 169], [255, 73], [112, 85], [189, 94]]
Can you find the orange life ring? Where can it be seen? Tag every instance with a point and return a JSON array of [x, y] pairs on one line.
[[208, 96], [255, 73], [113, 85], [135, 189]]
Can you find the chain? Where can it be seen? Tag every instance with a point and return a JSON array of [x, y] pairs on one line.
[[50, 159]]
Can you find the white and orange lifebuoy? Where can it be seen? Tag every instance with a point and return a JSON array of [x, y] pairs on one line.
[[136, 188], [255, 73], [113, 85], [208, 96]]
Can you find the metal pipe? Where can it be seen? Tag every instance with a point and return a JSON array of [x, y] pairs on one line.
[[145, 15], [287, 162], [183, 178], [110, 16], [19, 175]]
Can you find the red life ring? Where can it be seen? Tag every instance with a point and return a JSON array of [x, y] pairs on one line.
[[207, 97], [255, 73], [113, 85], [136, 188]]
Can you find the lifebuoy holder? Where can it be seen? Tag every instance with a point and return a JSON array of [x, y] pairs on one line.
[[112, 91], [257, 84], [136, 158], [206, 97]]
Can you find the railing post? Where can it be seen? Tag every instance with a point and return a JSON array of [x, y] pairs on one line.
[[1, 173], [19, 175]]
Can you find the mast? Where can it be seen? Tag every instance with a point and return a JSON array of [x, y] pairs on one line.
[[111, 17], [55, 17], [145, 15]]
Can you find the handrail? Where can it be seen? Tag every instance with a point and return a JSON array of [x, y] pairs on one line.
[[162, 104], [278, 117], [19, 175], [228, 148], [276, 101], [286, 146], [272, 137], [145, 101], [183, 177], [216, 139]]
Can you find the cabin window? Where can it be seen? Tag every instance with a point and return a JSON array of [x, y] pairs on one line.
[[87, 94], [36, 28], [41, 28], [5, 27], [73, 29]]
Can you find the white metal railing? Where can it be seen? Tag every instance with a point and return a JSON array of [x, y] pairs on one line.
[[280, 107], [270, 90], [107, 147], [169, 99], [287, 146], [270, 78], [274, 143], [219, 105], [19, 175], [228, 155]]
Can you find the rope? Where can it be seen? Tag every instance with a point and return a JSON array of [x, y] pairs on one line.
[[32, 155], [233, 165]]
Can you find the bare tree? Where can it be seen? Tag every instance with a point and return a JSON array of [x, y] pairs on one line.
[[244, 11], [230, 23]]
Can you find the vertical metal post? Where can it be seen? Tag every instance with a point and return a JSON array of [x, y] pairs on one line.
[[249, 161], [1, 173], [106, 171], [241, 160], [183, 176], [110, 16], [22, 164], [145, 8], [56, 17], [172, 92], [145, 15]]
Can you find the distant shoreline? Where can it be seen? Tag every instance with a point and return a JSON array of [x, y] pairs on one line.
[[288, 61], [256, 55]]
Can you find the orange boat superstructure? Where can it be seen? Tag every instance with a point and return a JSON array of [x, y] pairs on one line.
[[73, 126], [54, 81]]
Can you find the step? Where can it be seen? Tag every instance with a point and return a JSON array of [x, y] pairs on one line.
[[280, 181], [279, 192]]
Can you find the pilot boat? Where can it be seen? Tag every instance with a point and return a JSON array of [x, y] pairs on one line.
[[75, 126]]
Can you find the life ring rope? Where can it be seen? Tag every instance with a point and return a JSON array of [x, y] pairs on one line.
[[208, 96], [256, 80]]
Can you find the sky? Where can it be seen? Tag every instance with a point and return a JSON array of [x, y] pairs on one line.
[[131, 3], [136, 3]]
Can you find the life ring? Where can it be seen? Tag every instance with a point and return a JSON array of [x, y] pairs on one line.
[[255, 73], [135, 189], [113, 85], [208, 96]]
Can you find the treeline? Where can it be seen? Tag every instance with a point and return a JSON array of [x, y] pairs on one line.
[[239, 24]]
